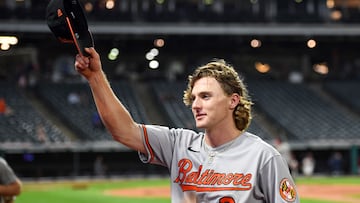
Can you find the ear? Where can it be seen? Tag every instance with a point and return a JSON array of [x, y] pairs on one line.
[[234, 100]]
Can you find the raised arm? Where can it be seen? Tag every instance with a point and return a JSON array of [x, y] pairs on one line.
[[114, 115]]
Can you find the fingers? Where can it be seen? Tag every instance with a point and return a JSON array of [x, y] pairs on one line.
[[93, 55], [87, 65], [89, 50], [81, 61]]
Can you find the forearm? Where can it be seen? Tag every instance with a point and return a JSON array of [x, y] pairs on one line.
[[114, 115], [12, 189]]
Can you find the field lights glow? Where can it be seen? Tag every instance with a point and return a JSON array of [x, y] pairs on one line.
[[6, 41]]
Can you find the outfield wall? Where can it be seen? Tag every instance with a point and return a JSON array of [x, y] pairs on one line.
[[60, 164], [74, 164]]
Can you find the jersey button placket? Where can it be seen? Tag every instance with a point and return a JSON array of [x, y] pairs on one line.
[[211, 157]]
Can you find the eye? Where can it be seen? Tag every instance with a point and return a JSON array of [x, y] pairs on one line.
[[205, 96]]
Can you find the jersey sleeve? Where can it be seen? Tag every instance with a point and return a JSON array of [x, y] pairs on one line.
[[277, 184], [159, 142], [7, 175]]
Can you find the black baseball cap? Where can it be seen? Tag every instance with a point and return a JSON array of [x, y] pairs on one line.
[[67, 21]]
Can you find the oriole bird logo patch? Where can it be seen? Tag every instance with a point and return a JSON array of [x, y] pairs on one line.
[[287, 190]]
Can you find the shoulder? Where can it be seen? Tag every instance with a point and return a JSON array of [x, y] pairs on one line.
[[3, 164], [2, 161], [259, 144], [263, 151], [178, 133], [187, 135], [162, 129]]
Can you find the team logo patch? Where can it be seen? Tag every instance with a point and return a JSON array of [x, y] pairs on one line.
[[287, 190]]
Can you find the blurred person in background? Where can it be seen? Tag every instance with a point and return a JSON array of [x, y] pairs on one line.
[[336, 163], [99, 166], [284, 148], [2, 106], [5, 109], [308, 164], [294, 165], [10, 184]]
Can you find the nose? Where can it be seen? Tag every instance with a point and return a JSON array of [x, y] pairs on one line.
[[195, 104]]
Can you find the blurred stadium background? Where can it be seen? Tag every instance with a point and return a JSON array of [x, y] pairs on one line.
[[299, 58]]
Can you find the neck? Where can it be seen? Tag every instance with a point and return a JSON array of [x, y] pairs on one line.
[[218, 137]]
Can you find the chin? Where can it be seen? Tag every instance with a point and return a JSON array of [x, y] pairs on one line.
[[200, 126]]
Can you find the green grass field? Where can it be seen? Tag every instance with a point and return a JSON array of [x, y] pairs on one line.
[[347, 181], [92, 191]]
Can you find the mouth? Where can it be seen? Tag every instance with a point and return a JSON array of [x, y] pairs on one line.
[[199, 116]]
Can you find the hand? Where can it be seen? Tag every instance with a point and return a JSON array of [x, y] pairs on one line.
[[9, 199], [88, 66]]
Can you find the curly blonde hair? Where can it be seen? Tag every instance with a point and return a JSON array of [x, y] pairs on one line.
[[230, 82]]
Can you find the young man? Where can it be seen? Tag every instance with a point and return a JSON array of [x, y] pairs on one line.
[[223, 164], [10, 185]]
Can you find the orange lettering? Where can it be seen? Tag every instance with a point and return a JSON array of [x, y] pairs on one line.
[[245, 181], [227, 200], [217, 178], [203, 176], [201, 180], [193, 176], [238, 178], [228, 179], [208, 178], [185, 165]]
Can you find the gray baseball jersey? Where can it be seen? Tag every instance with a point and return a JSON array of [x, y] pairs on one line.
[[246, 169], [7, 175]]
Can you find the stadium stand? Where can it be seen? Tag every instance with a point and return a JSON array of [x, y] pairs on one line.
[[304, 114], [25, 125], [169, 95], [346, 92], [226, 11], [223, 29], [79, 116]]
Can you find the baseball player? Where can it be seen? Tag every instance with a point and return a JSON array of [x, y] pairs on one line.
[[225, 163], [10, 185]]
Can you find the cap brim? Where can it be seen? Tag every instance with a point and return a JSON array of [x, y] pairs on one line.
[[82, 39], [78, 26], [85, 41]]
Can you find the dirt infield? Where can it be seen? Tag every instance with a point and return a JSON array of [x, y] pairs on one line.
[[341, 193], [163, 191]]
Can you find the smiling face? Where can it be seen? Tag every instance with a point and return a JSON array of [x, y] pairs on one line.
[[211, 107], [220, 80]]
